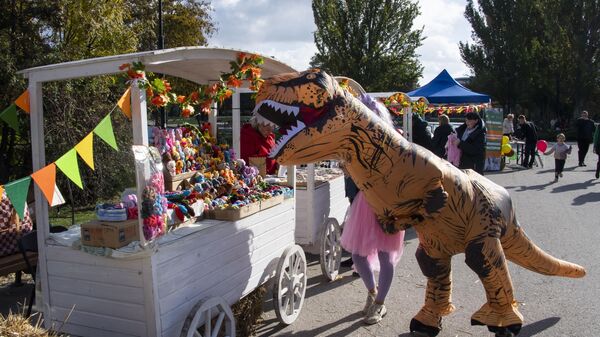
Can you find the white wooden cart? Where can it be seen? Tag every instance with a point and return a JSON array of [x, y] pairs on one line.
[[183, 283], [320, 212]]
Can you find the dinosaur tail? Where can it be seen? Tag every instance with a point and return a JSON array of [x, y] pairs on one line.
[[519, 249]]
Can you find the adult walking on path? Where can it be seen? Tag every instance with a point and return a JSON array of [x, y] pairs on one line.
[[471, 142], [528, 133], [440, 136], [597, 150], [421, 134], [585, 133]]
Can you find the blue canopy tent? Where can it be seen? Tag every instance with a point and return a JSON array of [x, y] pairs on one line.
[[445, 90]]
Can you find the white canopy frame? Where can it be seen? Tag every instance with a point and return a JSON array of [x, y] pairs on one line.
[[201, 65]]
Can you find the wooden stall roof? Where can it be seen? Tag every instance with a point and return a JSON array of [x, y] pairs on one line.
[[197, 64]]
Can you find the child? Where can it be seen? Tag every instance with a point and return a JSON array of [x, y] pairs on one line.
[[561, 150], [369, 245]]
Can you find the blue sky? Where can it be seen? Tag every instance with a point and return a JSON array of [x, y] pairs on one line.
[[284, 29]]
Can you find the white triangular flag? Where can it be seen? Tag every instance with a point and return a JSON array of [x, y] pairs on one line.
[[57, 198]]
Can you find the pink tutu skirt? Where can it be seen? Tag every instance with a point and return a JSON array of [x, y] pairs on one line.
[[362, 234]]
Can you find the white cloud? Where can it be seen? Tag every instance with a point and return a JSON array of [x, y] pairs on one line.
[[444, 26], [284, 29]]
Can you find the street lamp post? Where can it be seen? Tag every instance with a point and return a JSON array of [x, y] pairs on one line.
[[161, 45]]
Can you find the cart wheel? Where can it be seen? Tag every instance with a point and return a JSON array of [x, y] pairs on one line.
[[200, 322], [290, 286], [331, 250]]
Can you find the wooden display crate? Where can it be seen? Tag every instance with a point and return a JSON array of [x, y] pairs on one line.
[[236, 214], [173, 182], [273, 201]]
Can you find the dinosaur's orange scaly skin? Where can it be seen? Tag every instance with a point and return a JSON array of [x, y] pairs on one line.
[[452, 211]]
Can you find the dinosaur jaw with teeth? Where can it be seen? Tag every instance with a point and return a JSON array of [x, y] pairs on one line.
[[281, 116]]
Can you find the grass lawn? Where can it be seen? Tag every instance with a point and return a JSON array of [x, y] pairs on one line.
[[62, 216]]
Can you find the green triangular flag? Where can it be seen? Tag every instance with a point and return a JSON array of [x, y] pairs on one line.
[[9, 115], [17, 194], [104, 130], [68, 165]]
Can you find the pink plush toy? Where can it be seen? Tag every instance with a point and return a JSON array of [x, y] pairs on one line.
[[453, 151]]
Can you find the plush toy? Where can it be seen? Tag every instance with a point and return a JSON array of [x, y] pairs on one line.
[[453, 211], [179, 167]]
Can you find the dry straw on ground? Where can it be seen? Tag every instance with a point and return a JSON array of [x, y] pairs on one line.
[[16, 325]]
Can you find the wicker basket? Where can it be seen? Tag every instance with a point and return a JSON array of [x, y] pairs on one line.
[[173, 182], [236, 214]]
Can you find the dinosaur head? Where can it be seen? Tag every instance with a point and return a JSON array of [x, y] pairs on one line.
[[302, 107]]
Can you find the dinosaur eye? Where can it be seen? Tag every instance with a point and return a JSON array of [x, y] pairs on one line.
[[311, 76]]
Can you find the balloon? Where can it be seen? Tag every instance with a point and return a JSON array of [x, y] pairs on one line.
[[506, 148], [541, 145], [505, 140]]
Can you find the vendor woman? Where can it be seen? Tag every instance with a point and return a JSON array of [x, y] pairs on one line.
[[257, 140]]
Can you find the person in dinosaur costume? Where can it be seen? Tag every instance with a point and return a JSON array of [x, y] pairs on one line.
[[453, 211]]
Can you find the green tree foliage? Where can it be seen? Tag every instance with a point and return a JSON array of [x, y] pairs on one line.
[[185, 23], [539, 55], [371, 41], [42, 32]]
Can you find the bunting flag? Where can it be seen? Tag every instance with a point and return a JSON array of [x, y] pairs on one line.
[[68, 165], [23, 101], [17, 194], [1, 191], [57, 198], [104, 130], [85, 149], [9, 115], [125, 103], [46, 180]]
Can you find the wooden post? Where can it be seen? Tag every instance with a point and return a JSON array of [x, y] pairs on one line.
[[235, 121], [139, 124], [310, 197], [139, 119], [38, 154]]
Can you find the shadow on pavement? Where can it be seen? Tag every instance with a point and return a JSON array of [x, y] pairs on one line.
[[272, 326], [539, 326], [551, 170], [583, 199], [577, 186], [531, 187]]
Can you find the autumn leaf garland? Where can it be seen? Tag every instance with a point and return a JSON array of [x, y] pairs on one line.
[[246, 67]]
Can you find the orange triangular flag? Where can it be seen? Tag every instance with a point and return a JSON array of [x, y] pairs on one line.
[[1, 191], [45, 179], [86, 150], [23, 101], [125, 103]]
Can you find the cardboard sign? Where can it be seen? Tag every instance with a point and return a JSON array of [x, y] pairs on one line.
[[260, 163]]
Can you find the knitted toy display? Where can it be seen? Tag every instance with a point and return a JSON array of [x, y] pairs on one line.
[[453, 211], [153, 206], [189, 148], [221, 180]]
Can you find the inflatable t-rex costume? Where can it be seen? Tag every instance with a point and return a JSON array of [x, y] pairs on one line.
[[452, 211]]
